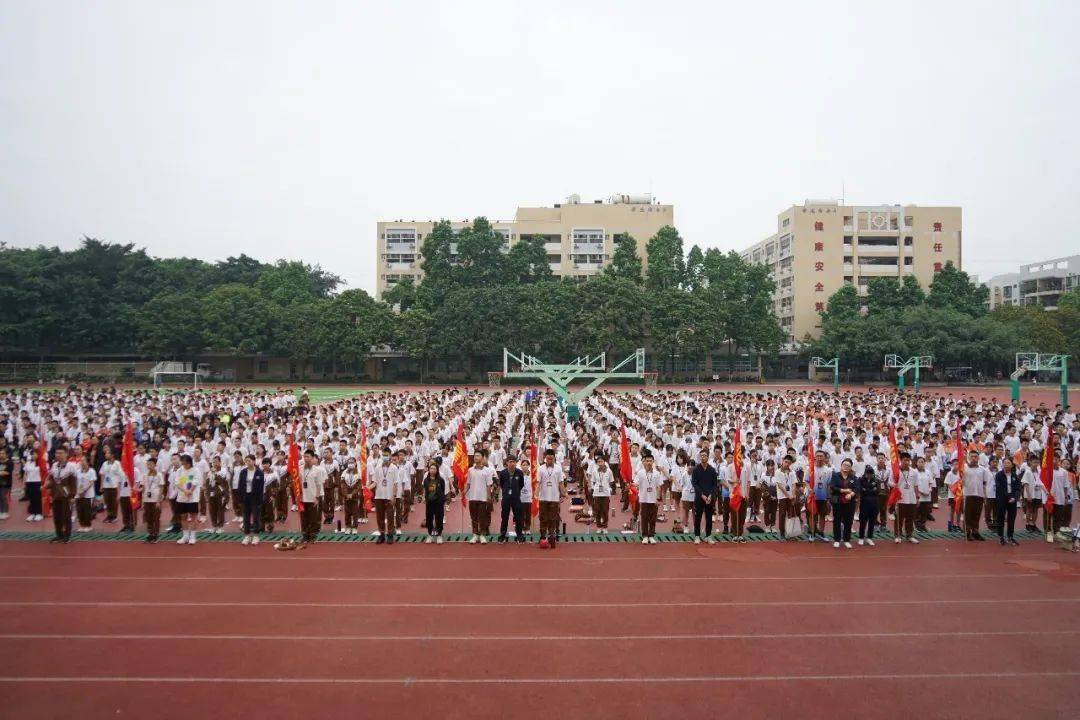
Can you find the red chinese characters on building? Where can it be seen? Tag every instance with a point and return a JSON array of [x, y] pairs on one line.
[[819, 266], [937, 247], [937, 227], [819, 288], [819, 226], [819, 246], [937, 267], [819, 306]]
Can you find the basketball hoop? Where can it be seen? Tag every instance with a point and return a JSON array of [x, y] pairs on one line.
[[495, 379], [651, 379]]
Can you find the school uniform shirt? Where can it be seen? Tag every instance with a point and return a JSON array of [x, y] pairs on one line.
[[975, 479], [312, 480], [1062, 488], [188, 484], [84, 483], [153, 486], [401, 475], [648, 483], [111, 473], [600, 482], [384, 484], [785, 485], [550, 479], [924, 484], [907, 483], [478, 484]]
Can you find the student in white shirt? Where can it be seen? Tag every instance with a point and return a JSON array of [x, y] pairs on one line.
[[550, 491], [649, 480], [85, 477], [600, 482], [188, 486], [152, 485], [478, 484]]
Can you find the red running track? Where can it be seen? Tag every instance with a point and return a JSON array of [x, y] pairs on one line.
[[943, 629]]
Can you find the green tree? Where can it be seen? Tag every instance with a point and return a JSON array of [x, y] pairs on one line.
[[666, 264], [238, 319], [608, 316], [291, 281], [171, 325], [953, 288], [402, 295], [625, 261], [480, 260], [526, 262], [911, 292]]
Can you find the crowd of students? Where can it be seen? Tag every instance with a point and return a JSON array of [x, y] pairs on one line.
[[806, 459]]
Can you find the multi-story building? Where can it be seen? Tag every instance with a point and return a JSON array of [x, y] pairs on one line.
[[822, 245], [1040, 283], [578, 237]]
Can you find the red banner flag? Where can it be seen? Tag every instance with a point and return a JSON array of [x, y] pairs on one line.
[[460, 464], [293, 469], [736, 490], [1046, 472], [43, 468], [127, 464], [534, 470], [626, 468], [958, 486], [365, 492], [811, 497], [894, 455]]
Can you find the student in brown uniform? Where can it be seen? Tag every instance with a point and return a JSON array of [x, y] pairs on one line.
[[351, 495], [152, 486], [61, 486], [217, 493], [270, 487]]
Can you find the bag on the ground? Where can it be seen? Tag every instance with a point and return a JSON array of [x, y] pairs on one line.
[[792, 526]]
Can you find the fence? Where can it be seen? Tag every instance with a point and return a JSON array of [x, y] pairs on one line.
[[32, 372]]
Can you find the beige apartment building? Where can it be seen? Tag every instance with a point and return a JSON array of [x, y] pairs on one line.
[[578, 236], [822, 244]]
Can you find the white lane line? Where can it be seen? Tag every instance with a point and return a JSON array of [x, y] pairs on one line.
[[382, 580], [626, 680], [542, 638], [513, 606]]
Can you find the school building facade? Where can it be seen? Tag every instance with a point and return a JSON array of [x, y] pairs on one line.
[[822, 245], [578, 236]]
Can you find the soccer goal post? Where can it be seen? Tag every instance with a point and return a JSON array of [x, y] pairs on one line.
[[178, 380]]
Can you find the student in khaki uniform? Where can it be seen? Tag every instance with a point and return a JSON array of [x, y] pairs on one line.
[[312, 479], [351, 495], [152, 487], [381, 483], [271, 481], [217, 493], [85, 478], [61, 486], [550, 491]]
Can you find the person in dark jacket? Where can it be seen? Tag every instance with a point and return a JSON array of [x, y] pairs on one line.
[[869, 488], [1008, 490], [511, 481], [842, 489], [250, 486], [435, 499], [704, 480]]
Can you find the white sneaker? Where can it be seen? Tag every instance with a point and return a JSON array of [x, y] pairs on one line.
[[182, 540], [869, 542], [861, 542], [1049, 537], [427, 540], [4, 516], [29, 518], [191, 539], [219, 530], [483, 539], [811, 538], [644, 541], [711, 541], [202, 518], [397, 532], [354, 531], [474, 539], [847, 545], [512, 533], [913, 541], [653, 540], [246, 540], [438, 540], [697, 540], [375, 533], [836, 544], [255, 540]]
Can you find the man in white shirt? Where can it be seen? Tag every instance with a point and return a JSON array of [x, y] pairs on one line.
[[312, 481], [649, 480], [478, 484], [381, 483], [600, 481], [550, 492]]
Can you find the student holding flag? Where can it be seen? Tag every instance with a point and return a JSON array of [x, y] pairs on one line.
[[904, 497]]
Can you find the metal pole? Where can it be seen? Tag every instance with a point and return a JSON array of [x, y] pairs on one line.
[[836, 376], [900, 381], [917, 365], [1064, 382], [1015, 390]]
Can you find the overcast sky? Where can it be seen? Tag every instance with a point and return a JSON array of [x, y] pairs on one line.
[[286, 129]]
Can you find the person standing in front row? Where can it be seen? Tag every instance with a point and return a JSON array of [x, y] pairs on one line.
[[511, 482], [251, 487], [649, 480], [434, 489], [61, 486], [312, 479], [869, 488], [478, 493], [703, 480], [842, 492], [1008, 491], [600, 481], [549, 492], [153, 489]]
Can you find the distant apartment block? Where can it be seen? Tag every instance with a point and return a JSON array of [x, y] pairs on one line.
[[1040, 283]]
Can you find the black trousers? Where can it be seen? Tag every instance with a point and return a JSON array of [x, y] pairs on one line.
[[33, 496], [508, 506], [252, 515], [868, 516], [842, 516], [434, 517], [702, 507], [1005, 512]]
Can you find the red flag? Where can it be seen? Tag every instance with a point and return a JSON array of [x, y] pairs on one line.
[[127, 464], [534, 470], [811, 497], [1046, 472], [736, 491], [43, 468], [626, 468], [894, 454], [958, 486], [365, 492], [460, 465], [292, 467]]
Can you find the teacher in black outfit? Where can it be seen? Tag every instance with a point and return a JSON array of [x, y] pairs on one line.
[[704, 480], [1008, 489], [842, 489], [511, 482]]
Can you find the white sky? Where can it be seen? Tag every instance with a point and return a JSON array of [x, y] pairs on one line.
[[286, 129]]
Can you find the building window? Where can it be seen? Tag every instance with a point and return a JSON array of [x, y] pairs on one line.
[[819, 226], [909, 260], [907, 241], [819, 246], [819, 266], [785, 223], [849, 280], [937, 227], [937, 267]]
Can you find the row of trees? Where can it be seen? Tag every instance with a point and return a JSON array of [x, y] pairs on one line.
[[108, 298], [682, 303], [950, 322]]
